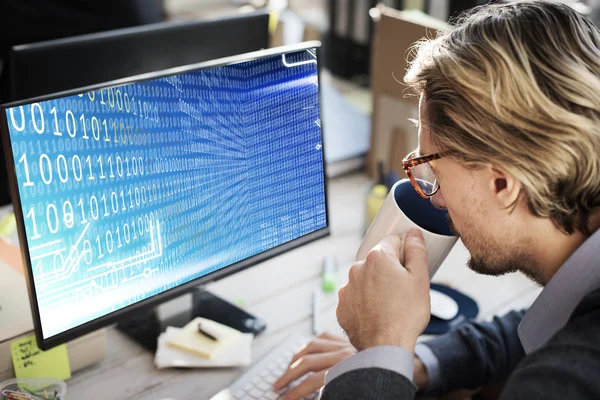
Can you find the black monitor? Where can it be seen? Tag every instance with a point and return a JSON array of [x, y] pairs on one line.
[[133, 192], [63, 64]]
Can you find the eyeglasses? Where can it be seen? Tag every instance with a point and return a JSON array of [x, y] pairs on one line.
[[421, 173]]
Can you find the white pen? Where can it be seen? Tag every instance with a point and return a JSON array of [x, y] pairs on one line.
[[208, 332], [316, 307]]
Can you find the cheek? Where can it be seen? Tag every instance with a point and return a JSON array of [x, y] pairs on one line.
[[455, 222], [456, 196], [461, 211]]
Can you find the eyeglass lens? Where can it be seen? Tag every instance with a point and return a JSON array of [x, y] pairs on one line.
[[425, 178]]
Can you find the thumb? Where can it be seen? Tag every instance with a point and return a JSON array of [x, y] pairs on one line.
[[415, 253]]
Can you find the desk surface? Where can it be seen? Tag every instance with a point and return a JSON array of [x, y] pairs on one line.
[[280, 292]]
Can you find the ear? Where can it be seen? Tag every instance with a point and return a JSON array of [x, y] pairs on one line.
[[504, 187]]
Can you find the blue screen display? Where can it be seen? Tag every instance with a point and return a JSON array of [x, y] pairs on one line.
[[132, 190]]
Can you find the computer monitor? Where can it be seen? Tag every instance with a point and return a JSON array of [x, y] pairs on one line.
[[57, 65], [130, 193]]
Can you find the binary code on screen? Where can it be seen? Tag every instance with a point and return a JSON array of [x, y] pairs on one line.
[[132, 190]]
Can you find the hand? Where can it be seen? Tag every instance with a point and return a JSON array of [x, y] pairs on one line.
[[420, 377], [321, 354], [383, 302]]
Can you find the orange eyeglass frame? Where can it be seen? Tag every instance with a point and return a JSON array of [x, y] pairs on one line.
[[409, 162]]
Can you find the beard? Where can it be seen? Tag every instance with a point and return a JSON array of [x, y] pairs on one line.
[[488, 257]]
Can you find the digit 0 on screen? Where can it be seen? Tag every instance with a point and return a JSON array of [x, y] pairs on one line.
[[131, 190]]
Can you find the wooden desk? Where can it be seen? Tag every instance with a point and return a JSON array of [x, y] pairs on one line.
[[279, 291]]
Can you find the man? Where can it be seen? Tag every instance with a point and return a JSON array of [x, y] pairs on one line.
[[510, 142]]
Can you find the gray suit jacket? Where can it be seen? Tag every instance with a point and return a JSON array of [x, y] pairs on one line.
[[478, 354]]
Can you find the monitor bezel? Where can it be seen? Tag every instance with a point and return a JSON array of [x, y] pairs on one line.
[[113, 317]]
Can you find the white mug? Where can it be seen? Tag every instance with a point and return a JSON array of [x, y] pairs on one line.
[[403, 210]]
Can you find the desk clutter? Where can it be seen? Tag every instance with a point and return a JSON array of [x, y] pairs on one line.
[[203, 343], [33, 389]]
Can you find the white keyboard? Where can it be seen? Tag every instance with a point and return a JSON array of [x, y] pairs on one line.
[[257, 382]]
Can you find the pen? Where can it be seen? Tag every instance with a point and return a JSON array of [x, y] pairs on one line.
[[203, 331], [316, 306]]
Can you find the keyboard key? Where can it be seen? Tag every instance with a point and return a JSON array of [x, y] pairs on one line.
[[272, 395], [257, 394], [283, 366], [258, 382]]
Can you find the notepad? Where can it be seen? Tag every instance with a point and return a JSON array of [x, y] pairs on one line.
[[188, 338], [238, 354], [31, 362]]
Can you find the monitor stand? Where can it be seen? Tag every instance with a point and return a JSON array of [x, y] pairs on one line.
[[145, 327]]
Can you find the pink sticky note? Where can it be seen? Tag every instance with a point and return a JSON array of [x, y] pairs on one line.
[[11, 254]]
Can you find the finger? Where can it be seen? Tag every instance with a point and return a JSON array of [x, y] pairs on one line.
[[415, 253], [319, 345], [391, 244], [309, 385], [341, 309], [331, 336], [306, 364], [355, 273]]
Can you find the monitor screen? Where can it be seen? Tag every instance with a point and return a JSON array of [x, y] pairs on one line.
[[128, 191]]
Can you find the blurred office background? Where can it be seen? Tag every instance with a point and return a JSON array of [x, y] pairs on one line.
[[365, 110]]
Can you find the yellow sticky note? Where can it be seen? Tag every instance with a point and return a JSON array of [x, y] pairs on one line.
[[273, 21], [8, 224], [31, 362]]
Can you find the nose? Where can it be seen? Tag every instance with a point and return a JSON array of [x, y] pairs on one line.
[[438, 200]]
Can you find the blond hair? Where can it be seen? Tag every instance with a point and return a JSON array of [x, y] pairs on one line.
[[518, 86]]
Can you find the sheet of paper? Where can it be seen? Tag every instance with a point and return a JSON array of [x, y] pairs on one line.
[[237, 354], [15, 312], [31, 362], [189, 339]]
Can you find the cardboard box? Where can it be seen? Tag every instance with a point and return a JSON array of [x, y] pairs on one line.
[[395, 33]]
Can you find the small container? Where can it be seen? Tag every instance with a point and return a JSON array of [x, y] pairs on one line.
[[33, 389]]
